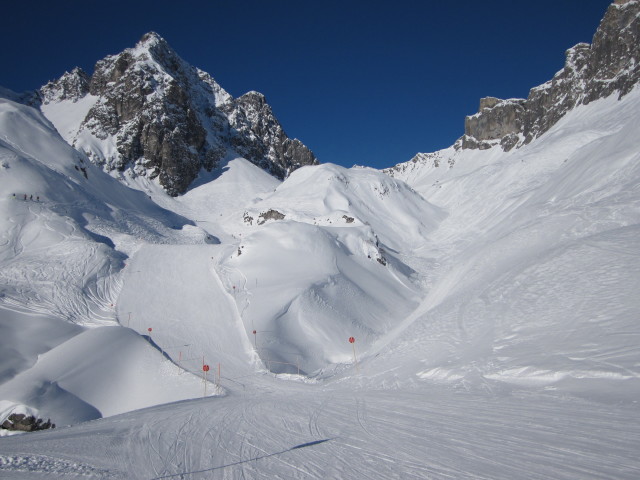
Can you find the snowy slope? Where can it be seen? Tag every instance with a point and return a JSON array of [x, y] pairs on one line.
[[67, 116], [325, 194], [302, 297], [492, 299], [317, 260], [67, 229], [542, 247], [216, 199], [307, 431], [100, 372], [175, 290], [67, 220]]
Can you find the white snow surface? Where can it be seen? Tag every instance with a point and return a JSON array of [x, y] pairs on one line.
[[68, 115], [493, 300]]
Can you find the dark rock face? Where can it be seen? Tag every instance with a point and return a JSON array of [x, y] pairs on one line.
[[610, 64], [258, 136], [23, 423], [169, 120], [496, 120], [270, 214]]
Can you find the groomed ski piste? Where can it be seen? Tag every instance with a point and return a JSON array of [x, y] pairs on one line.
[[492, 299]]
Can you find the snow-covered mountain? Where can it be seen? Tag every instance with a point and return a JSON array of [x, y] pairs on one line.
[[491, 296], [147, 112]]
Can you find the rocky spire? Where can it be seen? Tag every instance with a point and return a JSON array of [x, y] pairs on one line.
[[71, 85], [258, 136]]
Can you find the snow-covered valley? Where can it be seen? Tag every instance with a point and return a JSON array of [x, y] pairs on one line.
[[470, 314], [493, 303]]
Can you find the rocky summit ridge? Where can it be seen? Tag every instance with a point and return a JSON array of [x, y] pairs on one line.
[[610, 64], [150, 112]]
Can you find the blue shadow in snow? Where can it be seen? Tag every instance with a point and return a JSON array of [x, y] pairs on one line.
[[302, 445]]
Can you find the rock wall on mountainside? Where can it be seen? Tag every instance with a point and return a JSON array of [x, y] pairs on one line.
[[610, 64]]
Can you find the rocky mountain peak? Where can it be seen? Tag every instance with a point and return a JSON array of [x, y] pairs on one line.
[[610, 64], [71, 85], [157, 115], [253, 96], [155, 48], [151, 39]]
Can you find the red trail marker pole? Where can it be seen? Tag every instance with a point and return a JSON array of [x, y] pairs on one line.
[[352, 341], [205, 369]]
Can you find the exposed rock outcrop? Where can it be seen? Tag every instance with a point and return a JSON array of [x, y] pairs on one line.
[[419, 160], [270, 214], [610, 64], [157, 115], [23, 423], [258, 136]]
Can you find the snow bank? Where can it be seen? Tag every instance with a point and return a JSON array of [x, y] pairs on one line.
[[100, 372]]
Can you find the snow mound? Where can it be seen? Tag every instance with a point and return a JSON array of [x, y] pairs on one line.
[[330, 195], [305, 289], [100, 372]]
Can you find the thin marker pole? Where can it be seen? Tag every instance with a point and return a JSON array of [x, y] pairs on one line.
[[356, 358], [352, 341], [205, 369]]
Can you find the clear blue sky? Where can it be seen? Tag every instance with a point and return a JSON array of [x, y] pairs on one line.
[[360, 82]]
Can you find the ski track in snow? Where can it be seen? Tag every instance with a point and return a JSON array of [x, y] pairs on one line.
[[47, 287], [300, 434]]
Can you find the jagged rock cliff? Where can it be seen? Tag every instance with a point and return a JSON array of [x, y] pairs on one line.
[[149, 111], [610, 64], [71, 86], [258, 136]]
